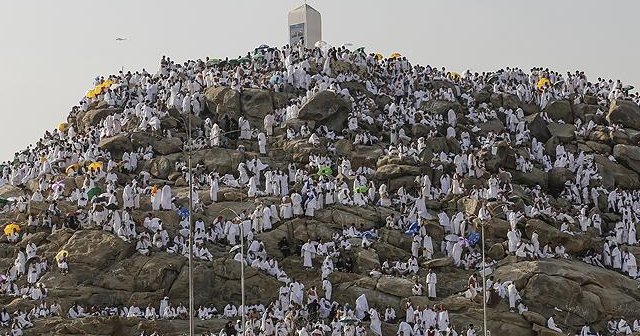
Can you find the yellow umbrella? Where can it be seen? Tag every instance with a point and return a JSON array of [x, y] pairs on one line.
[[10, 228], [454, 75], [395, 55], [61, 254], [95, 165], [378, 57], [62, 127], [542, 82], [72, 168]]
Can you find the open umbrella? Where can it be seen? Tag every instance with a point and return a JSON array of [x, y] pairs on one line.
[[454, 75], [275, 79], [235, 248], [95, 165], [628, 87], [11, 228], [378, 56], [473, 238], [62, 127], [492, 78], [452, 237], [320, 44], [93, 192], [263, 46], [413, 229], [72, 168], [348, 320], [395, 55], [61, 254], [542, 82], [244, 60], [325, 171], [214, 61], [361, 189], [183, 213]]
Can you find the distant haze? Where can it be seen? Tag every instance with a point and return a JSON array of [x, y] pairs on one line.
[[52, 50]]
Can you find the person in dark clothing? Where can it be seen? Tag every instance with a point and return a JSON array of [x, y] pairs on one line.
[[283, 246]]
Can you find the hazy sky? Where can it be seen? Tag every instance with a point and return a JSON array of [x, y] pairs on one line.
[[50, 51]]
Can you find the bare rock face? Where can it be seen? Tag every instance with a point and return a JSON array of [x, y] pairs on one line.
[[615, 174], [94, 117], [628, 155], [560, 110], [116, 145], [256, 104], [223, 101], [326, 108], [625, 113]]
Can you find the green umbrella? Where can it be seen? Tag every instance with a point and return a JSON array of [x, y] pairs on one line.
[[258, 56], [361, 189], [325, 171], [95, 191], [245, 60], [214, 61]]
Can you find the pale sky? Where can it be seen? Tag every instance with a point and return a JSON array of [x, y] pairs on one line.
[[50, 51]]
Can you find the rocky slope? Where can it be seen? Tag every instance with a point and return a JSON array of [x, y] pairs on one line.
[[107, 271]]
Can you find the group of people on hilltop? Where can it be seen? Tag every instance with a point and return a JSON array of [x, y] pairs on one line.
[[405, 126]]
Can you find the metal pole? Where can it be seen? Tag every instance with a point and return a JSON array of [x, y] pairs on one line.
[[191, 311], [484, 284], [241, 271], [244, 313]]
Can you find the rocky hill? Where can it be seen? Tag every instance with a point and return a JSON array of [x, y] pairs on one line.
[[513, 129]]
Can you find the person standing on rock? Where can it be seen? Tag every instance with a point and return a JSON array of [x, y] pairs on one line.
[[432, 280], [269, 122], [215, 135], [512, 292], [214, 187], [262, 143], [308, 252], [327, 287], [165, 197]]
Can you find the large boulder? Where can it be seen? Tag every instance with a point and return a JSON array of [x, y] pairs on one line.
[[94, 117], [223, 100], [441, 107], [616, 175], [391, 171], [560, 110], [564, 132], [625, 113], [326, 108], [256, 104], [538, 127], [557, 179], [399, 287], [550, 234], [535, 177], [628, 155], [505, 157], [160, 167], [116, 145]]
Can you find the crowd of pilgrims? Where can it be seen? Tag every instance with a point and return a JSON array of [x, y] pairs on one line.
[[147, 98]]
